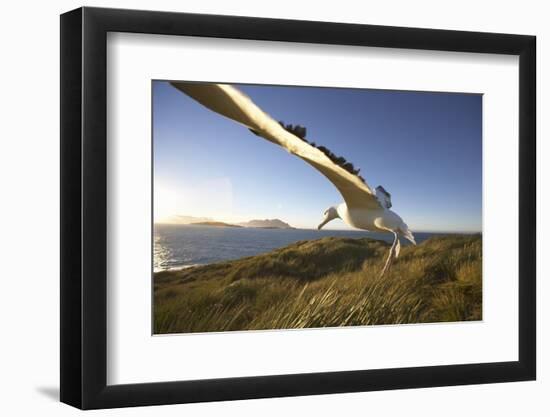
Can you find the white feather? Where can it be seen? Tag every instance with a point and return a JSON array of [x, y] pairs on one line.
[[363, 208]]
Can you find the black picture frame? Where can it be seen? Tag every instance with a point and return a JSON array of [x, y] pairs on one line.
[[84, 207]]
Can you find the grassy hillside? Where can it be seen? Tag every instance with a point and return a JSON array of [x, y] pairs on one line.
[[324, 283]]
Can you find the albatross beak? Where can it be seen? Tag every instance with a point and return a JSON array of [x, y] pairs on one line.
[[322, 224]]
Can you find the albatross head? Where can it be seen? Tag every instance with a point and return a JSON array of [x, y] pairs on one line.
[[330, 214]]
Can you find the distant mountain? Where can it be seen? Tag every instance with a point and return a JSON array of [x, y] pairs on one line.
[[183, 219], [267, 224], [208, 221], [216, 224]]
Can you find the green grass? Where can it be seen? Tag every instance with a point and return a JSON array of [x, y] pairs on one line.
[[328, 282]]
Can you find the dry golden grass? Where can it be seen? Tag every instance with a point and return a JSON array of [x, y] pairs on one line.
[[328, 282]]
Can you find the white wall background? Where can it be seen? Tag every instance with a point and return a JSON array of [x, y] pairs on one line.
[[29, 175]]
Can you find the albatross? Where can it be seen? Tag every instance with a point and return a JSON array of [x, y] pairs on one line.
[[363, 208]]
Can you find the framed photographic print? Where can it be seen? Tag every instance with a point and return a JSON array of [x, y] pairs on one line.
[[257, 208]]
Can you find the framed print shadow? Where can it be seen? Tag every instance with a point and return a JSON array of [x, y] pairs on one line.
[[256, 208]]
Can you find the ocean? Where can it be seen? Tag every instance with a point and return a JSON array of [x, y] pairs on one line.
[[182, 246]]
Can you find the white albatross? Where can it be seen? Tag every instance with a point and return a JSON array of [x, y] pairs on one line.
[[363, 208]]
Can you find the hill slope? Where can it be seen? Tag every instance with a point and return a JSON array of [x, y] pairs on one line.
[[324, 283]]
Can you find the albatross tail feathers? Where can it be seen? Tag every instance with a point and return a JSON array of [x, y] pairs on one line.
[[407, 234]]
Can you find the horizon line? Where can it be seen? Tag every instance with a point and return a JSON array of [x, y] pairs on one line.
[[463, 232]]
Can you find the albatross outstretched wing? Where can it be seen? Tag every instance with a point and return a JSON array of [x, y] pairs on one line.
[[232, 103]]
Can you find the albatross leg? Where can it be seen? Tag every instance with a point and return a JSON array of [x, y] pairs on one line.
[[391, 254], [397, 248]]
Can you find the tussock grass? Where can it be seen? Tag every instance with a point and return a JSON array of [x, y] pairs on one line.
[[328, 282]]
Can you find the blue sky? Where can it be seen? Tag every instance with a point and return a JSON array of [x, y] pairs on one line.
[[424, 148]]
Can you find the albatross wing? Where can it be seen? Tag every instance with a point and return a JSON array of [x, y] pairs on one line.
[[233, 104]]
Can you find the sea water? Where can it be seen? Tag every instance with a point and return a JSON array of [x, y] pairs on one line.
[[181, 246]]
